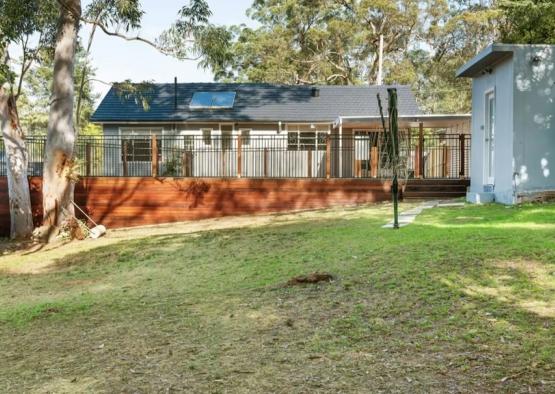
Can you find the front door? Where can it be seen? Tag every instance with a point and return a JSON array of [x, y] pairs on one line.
[[490, 139]]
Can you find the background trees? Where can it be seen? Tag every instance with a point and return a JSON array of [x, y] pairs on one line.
[[527, 21], [337, 42], [31, 25]]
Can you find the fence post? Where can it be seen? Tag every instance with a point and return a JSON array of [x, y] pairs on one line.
[[309, 163], [124, 161], [374, 160], [239, 155], [154, 145], [186, 163], [409, 150], [462, 153], [328, 157], [446, 161], [88, 156], [421, 150], [265, 162]]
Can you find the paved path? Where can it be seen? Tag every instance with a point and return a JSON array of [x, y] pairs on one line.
[[407, 217]]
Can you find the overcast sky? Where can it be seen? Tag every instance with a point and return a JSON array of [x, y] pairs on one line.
[[116, 59]]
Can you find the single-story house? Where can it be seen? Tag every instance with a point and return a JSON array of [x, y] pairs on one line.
[[266, 130], [513, 123], [188, 151]]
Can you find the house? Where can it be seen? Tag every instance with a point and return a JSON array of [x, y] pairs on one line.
[[264, 130], [513, 123], [174, 152]]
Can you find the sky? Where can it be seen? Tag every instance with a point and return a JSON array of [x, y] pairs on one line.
[[116, 59]]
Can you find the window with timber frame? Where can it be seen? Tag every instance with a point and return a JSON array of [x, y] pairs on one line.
[[136, 143], [305, 137]]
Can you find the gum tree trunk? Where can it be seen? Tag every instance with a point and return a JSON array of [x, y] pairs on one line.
[[57, 184], [16, 161]]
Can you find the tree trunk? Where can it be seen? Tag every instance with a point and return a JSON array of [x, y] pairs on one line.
[[58, 162], [16, 161]]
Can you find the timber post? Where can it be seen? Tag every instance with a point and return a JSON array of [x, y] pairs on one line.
[[374, 160], [328, 157], [154, 145], [446, 161], [239, 155], [265, 162], [421, 150], [186, 164], [309, 163], [88, 158], [124, 158]]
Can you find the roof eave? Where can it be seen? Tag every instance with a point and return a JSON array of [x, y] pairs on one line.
[[428, 120], [488, 57]]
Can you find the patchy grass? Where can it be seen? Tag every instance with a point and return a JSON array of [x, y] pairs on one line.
[[460, 301]]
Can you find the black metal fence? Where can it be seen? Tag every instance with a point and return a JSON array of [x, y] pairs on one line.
[[293, 155]]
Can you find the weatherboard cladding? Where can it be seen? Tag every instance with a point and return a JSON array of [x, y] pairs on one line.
[[254, 102]]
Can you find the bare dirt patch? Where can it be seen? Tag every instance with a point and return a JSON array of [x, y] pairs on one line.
[[315, 277]]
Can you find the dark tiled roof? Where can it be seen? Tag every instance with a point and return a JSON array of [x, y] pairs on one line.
[[254, 102]]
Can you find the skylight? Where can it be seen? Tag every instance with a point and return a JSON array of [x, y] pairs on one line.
[[212, 100]]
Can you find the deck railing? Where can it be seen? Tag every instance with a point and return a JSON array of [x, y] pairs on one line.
[[298, 155]]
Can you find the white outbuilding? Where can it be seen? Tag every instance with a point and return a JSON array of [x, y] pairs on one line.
[[513, 123]]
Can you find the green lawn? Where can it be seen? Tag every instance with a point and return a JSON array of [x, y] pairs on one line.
[[463, 300]]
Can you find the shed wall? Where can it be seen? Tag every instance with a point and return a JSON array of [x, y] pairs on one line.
[[500, 81], [534, 123]]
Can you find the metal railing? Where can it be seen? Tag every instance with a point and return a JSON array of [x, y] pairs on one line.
[[293, 155]]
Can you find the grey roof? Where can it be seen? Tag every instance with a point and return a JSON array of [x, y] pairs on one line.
[[254, 102]]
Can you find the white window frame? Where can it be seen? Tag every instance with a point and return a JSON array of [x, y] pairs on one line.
[[206, 134], [296, 128], [245, 134], [489, 143], [134, 132], [221, 146]]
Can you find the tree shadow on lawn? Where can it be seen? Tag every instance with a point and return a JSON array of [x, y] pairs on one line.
[[448, 301]]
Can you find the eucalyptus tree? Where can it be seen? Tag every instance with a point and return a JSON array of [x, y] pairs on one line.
[[453, 33], [528, 21], [298, 42], [319, 41], [31, 25], [191, 36]]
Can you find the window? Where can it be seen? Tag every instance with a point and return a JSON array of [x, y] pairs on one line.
[[207, 136], [306, 140], [188, 142], [307, 137], [293, 140], [136, 144], [246, 136], [490, 137], [212, 100]]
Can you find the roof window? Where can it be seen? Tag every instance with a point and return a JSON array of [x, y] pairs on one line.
[[212, 100]]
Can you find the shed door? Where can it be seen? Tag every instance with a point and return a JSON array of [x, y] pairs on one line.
[[490, 138]]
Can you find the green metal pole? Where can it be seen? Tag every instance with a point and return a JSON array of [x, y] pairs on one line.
[[394, 130]]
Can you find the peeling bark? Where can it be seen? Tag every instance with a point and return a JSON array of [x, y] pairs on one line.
[[16, 161], [58, 162]]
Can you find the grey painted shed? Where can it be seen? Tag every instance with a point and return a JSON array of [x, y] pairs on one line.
[[513, 123]]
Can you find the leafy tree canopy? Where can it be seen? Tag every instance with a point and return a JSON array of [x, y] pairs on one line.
[[528, 21], [337, 42]]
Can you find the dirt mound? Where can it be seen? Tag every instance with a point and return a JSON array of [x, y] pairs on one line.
[[314, 277]]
